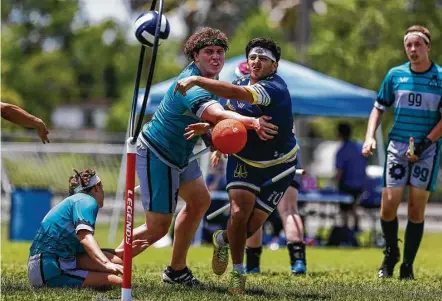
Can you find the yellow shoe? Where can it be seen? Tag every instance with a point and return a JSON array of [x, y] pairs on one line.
[[237, 285], [220, 258]]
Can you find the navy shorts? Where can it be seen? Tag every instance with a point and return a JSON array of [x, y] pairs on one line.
[[241, 175]]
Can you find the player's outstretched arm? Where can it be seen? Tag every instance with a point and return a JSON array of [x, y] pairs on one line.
[[265, 130], [217, 87], [89, 243], [373, 123], [17, 115]]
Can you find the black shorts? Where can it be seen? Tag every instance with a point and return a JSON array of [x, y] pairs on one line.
[[354, 192]]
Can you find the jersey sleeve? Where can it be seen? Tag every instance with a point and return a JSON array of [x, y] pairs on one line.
[[386, 94], [197, 100], [264, 92], [85, 214]]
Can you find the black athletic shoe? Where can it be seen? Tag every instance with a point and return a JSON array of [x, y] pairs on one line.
[[391, 257], [183, 277], [406, 272]]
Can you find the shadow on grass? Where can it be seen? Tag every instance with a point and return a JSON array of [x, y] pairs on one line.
[[222, 290], [289, 274]]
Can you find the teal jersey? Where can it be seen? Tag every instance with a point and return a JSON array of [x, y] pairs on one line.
[[58, 231], [164, 134], [416, 98]]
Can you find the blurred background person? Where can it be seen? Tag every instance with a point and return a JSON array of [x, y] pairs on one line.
[[350, 173]]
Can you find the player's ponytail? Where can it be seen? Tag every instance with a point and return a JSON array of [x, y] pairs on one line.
[[79, 181]]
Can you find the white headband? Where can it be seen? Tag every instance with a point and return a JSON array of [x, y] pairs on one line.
[[262, 51], [94, 181], [417, 33]]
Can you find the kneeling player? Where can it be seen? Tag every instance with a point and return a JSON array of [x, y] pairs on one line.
[[64, 252]]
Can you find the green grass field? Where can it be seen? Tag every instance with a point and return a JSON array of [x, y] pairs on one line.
[[334, 274]]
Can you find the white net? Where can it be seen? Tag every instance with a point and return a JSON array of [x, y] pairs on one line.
[[37, 165]]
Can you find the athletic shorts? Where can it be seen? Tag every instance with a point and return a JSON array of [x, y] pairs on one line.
[[241, 175], [296, 181], [53, 271], [399, 172], [160, 183]]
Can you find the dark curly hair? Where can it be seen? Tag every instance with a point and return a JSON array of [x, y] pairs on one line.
[[206, 36], [82, 179], [266, 44]]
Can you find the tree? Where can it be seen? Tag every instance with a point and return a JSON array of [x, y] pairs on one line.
[[364, 45]]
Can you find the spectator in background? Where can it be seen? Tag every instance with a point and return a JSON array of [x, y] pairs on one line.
[[350, 173], [15, 114]]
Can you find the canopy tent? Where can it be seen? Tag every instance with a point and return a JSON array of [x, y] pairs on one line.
[[312, 93]]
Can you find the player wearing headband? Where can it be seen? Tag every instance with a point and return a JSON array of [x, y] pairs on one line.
[[414, 90], [163, 154], [64, 252], [264, 92]]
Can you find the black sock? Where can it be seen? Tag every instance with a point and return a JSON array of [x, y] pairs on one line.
[[176, 272], [253, 256], [390, 232], [296, 251], [413, 237]]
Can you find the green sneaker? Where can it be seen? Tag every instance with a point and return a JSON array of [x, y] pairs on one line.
[[237, 285], [220, 258]]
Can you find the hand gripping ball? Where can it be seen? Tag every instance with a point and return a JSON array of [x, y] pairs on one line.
[[145, 26], [229, 136]]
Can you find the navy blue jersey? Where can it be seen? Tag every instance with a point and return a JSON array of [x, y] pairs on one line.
[[274, 101]]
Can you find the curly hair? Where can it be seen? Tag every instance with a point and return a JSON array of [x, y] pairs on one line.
[[266, 44], [81, 179], [419, 28], [206, 36]]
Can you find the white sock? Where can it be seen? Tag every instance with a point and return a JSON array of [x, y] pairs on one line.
[[220, 239]]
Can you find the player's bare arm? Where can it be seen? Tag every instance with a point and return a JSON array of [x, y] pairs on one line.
[[219, 88], [91, 246], [373, 123], [17, 115]]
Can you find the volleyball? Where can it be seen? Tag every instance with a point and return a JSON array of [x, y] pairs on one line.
[[145, 26]]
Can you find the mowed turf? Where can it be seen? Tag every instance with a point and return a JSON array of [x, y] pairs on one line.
[[333, 274]]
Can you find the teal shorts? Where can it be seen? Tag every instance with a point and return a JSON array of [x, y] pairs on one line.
[[160, 183], [53, 271]]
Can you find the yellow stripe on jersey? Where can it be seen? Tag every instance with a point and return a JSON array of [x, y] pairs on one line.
[[260, 95], [254, 94], [264, 164]]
